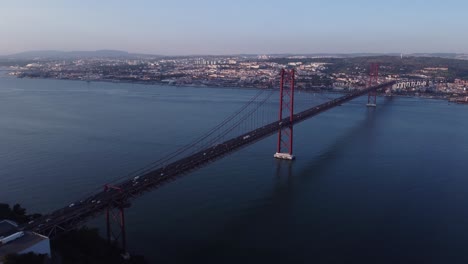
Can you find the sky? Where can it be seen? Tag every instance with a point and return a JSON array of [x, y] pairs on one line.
[[189, 27]]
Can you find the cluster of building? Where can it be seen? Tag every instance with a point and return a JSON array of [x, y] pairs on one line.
[[427, 81], [209, 71], [238, 71], [232, 71]]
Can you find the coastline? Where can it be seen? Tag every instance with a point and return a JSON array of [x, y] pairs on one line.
[[316, 89]]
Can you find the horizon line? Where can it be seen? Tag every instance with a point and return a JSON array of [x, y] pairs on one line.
[[226, 54]]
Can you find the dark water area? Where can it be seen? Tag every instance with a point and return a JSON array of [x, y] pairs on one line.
[[384, 185]]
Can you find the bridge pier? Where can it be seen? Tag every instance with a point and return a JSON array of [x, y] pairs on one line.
[[372, 99], [285, 134], [284, 156]]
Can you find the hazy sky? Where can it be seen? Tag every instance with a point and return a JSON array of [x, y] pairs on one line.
[[237, 26]]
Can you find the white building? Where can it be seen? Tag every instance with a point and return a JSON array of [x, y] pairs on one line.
[[14, 241]]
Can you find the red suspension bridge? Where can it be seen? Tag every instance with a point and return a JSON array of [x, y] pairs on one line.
[[218, 142]]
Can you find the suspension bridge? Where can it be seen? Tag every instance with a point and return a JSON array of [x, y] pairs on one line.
[[221, 140]]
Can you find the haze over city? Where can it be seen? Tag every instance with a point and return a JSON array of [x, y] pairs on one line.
[[183, 27]]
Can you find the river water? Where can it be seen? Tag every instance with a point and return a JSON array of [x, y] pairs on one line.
[[384, 185]]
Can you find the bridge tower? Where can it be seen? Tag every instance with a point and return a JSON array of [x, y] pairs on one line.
[[286, 107], [373, 80], [115, 217]]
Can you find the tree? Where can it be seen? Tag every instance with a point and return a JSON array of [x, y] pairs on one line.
[[18, 210], [17, 213], [29, 258]]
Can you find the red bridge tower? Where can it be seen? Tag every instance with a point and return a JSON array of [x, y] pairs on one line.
[[285, 133]]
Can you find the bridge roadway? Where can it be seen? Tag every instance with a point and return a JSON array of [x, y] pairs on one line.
[[73, 215]]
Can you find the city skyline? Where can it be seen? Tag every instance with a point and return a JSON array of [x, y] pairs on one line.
[[244, 27]]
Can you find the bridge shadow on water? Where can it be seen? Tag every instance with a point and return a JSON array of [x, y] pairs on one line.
[[266, 231], [363, 128]]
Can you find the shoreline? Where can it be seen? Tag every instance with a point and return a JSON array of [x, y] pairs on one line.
[[316, 89]]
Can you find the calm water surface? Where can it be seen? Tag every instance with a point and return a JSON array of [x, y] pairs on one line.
[[385, 185]]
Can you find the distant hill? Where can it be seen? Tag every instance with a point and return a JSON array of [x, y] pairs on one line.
[[55, 54], [356, 55]]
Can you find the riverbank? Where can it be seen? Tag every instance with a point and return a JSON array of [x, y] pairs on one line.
[[317, 89]]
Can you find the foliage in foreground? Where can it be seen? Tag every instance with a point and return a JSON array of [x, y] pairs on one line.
[[86, 246], [16, 213], [29, 258], [75, 247]]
